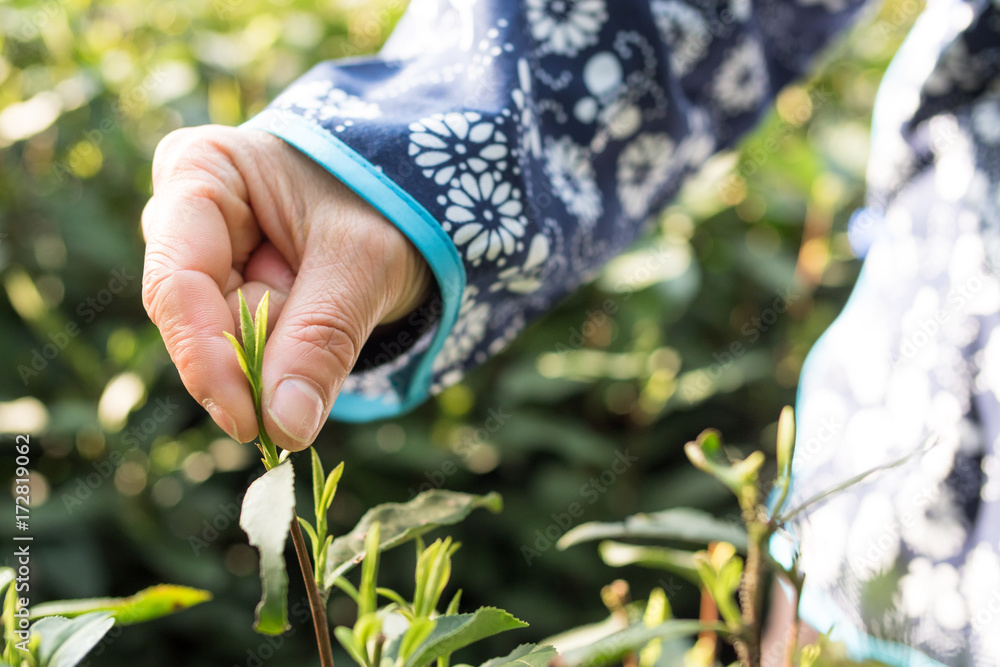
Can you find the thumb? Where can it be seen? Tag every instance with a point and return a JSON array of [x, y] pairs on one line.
[[316, 341], [351, 277]]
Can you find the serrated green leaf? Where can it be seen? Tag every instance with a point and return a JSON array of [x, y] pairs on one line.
[[610, 649], [247, 331], [147, 604], [525, 655], [266, 517], [453, 632], [402, 522], [681, 523], [260, 335], [65, 642]]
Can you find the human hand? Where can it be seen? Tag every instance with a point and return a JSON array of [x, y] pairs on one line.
[[241, 209]]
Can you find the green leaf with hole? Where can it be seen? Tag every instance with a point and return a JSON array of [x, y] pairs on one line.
[[682, 523], [401, 522], [147, 604], [266, 517]]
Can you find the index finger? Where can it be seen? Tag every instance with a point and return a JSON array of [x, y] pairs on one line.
[[188, 264]]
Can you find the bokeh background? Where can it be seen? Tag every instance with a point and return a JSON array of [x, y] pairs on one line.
[[133, 485]]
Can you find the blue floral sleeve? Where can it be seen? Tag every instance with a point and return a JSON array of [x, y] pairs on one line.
[[520, 145]]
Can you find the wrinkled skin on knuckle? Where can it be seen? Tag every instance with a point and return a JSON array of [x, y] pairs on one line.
[[156, 271], [329, 336], [196, 159]]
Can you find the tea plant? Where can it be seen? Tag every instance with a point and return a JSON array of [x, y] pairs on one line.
[[732, 586], [400, 633], [61, 633], [397, 630]]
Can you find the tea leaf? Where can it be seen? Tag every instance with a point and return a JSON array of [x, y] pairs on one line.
[[310, 531], [242, 358], [617, 554], [330, 487], [402, 522], [681, 523], [369, 571], [345, 636], [147, 604], [610, 649], [6, 576], [451, 633], [525, 655], [260, 336], [66, 642], [317, 483], [266, 517], [247, 331]]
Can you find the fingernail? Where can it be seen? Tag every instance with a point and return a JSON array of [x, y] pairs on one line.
[[222, 418], [297, 408]]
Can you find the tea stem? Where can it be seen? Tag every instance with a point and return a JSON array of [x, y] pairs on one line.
[[312, 590]]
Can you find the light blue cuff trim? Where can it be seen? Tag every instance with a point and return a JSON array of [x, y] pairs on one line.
[[820, 611], [411, 218]]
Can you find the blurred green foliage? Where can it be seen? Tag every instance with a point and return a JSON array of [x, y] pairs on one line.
[[133, 484]]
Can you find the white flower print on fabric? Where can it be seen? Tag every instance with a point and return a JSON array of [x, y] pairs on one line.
[[526, 278], [619, 103], [565, 27], [531, 141], [319, 100], [741, 81], [643, 169], [685, 30], [485, 216], [446, 145], [568, 166], [469, 331]]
